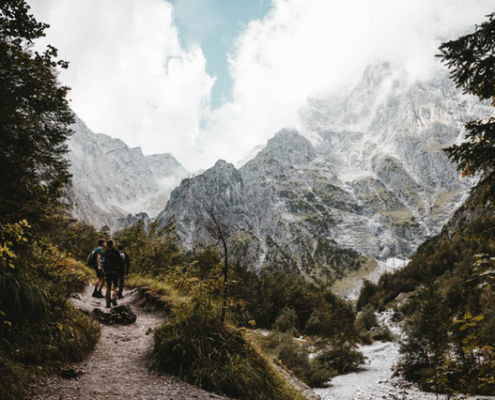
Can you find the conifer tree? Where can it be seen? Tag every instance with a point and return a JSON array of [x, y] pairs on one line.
[[34, 120], [471, 59]]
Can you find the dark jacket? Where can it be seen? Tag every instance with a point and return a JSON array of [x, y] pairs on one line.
[[113, 261], [126, 263]]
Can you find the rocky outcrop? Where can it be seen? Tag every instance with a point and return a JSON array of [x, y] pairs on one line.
[[111, 181], [371, 183]]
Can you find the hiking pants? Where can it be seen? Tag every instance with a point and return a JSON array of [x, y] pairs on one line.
[[112, 279], [121, 283]]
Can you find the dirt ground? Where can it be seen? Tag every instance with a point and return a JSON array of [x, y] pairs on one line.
[[117, 368]]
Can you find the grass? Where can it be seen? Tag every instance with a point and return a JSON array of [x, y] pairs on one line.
[[159, 291], [36, 346], [195, 347], [354, 277]]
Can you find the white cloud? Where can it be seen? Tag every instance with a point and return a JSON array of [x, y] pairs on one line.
[[132, 79], [305, 47]]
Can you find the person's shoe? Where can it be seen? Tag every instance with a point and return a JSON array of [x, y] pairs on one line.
[[114, 302], [100, 295], [108, 305], [95, 294]]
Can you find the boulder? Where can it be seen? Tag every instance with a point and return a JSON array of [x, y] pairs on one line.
[[120, 315]]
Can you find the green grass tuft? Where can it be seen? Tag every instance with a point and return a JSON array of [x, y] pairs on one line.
[[196, 348]]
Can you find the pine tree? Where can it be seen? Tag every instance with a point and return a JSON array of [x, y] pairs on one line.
[[471, 59], [34, 120]]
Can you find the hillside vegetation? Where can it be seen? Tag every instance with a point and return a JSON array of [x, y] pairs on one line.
[[197, 346], [40, 331], [450, 282]]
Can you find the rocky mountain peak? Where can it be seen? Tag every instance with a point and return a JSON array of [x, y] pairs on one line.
[[374, 187], [288, 146], [111, 180]]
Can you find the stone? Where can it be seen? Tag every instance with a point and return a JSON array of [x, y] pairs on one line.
[[120, 315]]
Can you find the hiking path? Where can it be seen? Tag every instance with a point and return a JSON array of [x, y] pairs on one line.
[[118, 366]]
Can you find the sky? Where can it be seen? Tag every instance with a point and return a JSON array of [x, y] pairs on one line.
[[212, 79]]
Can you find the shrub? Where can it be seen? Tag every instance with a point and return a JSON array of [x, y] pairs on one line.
[[198, 349], [32, 348], [342, 358], [367, 318], [295, 357], [286, 321]]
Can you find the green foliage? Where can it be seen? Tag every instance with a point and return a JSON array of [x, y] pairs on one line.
[[368, 290], [333, 321], [35, 117], [294, 356], [342, 357], [39, 330], [472, 61], [152, 251], [30, 349], [367, 318], [197, 348], [190, 288], [77, 239], [21, 297], [453, 279], [286, 321]]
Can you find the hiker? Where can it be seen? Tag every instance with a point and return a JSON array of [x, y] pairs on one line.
[[96, 261], [124, 270], [113, 263]]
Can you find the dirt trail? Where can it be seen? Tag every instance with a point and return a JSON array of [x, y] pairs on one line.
[[117, 368]]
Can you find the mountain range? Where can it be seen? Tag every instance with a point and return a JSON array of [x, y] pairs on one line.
[[364, 181], [112, 182]]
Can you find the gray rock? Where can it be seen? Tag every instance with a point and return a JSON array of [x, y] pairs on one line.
[[372, 183], [120, 315], [111, 180]]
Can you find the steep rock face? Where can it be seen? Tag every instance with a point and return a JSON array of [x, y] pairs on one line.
[[373, 182], [111, 180]]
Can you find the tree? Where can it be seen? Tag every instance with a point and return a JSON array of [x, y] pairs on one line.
[[34, 120], [471, 59], [220, 233]]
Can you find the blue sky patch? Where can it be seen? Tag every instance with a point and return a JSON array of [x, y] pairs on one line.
[[214, 24]]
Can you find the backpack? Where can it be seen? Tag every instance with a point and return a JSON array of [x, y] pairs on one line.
[[92, 259], [112, 260]]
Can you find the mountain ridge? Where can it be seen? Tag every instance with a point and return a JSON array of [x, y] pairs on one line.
[[373, 185]]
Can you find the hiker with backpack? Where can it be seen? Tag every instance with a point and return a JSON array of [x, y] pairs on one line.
[[95, 260], [113, 264], [124, 270]]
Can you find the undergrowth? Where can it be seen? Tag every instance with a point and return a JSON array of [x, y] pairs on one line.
[[40, 331], [195, 347]]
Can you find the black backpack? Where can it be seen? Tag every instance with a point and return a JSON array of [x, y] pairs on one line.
[[92, 262]]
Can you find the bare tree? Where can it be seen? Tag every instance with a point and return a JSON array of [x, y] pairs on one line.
[[220, 234]]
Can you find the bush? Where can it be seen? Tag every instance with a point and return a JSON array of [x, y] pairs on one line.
[[342, 358], [294, 356], [286, 321], [195, 347], [39, 330], [29, 349], [367, 318]]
